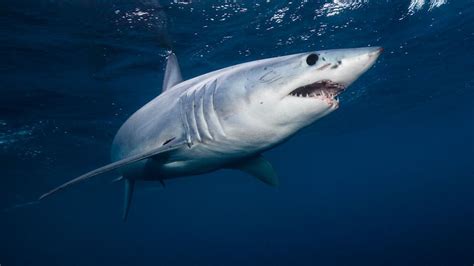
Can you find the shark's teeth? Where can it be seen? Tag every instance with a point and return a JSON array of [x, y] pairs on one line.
[[324, 89], [319, 95], [328, 97]]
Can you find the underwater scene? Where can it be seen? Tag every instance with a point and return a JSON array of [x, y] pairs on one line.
[[268, 133]]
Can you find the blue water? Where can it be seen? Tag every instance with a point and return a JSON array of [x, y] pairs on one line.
[[388, 179]]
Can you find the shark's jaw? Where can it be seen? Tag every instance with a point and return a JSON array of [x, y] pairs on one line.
[[326, 90]]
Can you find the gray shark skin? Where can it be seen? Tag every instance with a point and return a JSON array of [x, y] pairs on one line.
[[228, 117]]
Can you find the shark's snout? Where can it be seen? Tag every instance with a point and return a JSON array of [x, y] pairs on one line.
[[370, 51], [379, 50], [350, 64], [375, 53]]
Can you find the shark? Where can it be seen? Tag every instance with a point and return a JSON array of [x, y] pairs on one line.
[[227, 118]]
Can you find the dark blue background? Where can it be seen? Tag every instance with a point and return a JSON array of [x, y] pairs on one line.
[[388, 179]]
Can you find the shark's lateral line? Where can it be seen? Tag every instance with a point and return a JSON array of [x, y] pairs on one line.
[[227, 118]]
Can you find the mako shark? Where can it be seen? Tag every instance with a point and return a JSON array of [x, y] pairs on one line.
[[228, 117]]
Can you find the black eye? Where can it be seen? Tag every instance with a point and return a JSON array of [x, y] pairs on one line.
[[312, 59]]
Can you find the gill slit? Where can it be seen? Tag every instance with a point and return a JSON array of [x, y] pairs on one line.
[[205, 124], [213, 108], [193, 116], [184, 121]]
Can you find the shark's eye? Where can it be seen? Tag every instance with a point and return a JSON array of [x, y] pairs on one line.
[[312, 59]]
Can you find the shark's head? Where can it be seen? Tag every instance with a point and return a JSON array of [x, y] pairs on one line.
[[290, 92], [301, 88]]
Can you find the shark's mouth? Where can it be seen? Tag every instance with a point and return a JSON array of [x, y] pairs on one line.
[[324, 88]]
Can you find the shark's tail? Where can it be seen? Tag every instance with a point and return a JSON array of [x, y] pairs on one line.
[[129, 183], [21, 205]]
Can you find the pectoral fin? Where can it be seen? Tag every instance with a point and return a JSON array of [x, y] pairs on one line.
[[259, 168], [169, 146]]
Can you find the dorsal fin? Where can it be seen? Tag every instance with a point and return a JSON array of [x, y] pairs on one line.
[[172, 73]]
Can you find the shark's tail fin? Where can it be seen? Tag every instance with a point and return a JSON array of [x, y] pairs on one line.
[[118, 164], [21, 205], [129, 185], [127, 200]]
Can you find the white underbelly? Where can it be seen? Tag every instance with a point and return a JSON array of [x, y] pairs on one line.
[[200, 159]]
